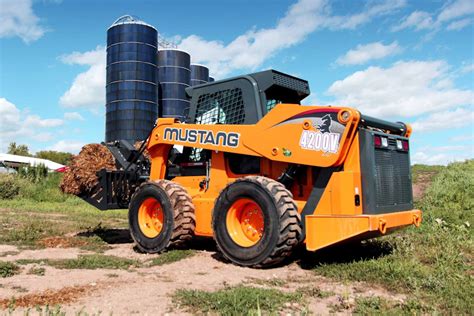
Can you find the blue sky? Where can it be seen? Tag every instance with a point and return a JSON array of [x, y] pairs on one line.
[[410, 61]]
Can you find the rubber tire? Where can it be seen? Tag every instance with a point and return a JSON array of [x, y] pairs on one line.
[[282, 228], [179, 219]]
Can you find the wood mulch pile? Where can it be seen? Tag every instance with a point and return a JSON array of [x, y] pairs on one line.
[[48, 297], [61, 242], [81, 176]]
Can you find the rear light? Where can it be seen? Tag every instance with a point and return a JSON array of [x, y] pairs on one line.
[[399, 144], [380, 141], [402, 145], [377, 141], [405, 145]]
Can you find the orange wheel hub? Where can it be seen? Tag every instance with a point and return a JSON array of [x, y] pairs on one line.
[[150, 217], [245, 222]]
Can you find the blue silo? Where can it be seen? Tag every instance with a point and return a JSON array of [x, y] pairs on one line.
[[174, 76], [131, 86], [199, 74]]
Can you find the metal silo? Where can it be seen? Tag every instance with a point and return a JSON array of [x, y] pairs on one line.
[[131, 99], [199, 74], [174, 75], [211, 79]]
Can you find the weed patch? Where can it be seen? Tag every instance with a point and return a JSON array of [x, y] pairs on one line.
[[275, 282], [27, 233], [376, 305], [239, 300], [39, 271], [96, 261], [31, 261], [92, 262], [312, 291], [8, 269], [171, 256]]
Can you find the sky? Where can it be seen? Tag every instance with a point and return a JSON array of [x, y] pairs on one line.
[[399, 60]]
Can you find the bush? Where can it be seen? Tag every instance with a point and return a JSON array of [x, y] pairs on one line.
[[9, 186], [34, 174], [8, 269], [46, 190], [451, 194], [43, 189]]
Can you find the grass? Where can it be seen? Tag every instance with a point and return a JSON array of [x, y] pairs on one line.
[[238, 300], [432, 264], [41, 210], [8, 269], [94, 261], [376, 305], [272, 282], [39, 271], [100, 261], [171, 256], [30, 261], [420, 170], [315, 292]]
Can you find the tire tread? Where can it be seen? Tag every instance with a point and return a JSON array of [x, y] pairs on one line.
[[183, 209]]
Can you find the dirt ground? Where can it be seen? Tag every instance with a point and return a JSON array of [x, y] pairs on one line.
[[422, 183], [147, 291]]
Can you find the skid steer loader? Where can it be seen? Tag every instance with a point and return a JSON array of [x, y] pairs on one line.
[[260, 173]]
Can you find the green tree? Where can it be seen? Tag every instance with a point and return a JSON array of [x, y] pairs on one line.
[[56, 156], [20, 150]]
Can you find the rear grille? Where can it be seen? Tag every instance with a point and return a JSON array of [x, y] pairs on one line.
[[392, 178], [386, 175]]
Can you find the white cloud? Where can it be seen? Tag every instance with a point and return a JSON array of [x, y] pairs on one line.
[[452, 148], [442, 155], [73, 116], [16, 125], [87, 59], [251, 49], [421, 20], [463, 137], [364, 53], [467, 67], [407, 88], [43, 137], [88, 88], [459, 25], [371, 11], [443, 120], [67, 146], [18, 19], [36, 121], [456, 9]]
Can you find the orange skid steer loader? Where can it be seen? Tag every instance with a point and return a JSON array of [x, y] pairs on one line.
[[260, 173]]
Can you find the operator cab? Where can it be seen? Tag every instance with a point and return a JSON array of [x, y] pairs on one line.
[[239, 100], [244, 99]]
